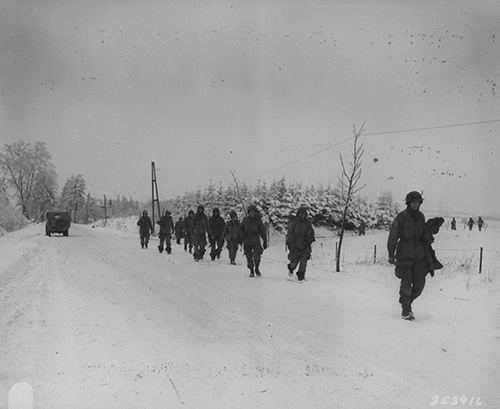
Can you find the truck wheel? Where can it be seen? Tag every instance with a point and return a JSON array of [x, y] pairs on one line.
[[66, 233]]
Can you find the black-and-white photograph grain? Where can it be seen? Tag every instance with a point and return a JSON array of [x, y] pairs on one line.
[[249, 204]]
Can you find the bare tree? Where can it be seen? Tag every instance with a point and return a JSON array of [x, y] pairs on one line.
[[29, 171], [349, 183]]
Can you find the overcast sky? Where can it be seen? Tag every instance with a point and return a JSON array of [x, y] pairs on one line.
[[202, 87]]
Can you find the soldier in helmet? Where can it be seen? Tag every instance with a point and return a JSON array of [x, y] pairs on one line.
[[407, 249], [200, 230], [145, 229], [480, 223], [232, 236], [252, 231], [217, 225], [188, 231], [179, 230], [166, 230], [470, 223], [299, 237], [453, 224]]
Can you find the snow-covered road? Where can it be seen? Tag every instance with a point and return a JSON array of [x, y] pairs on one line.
[[94, 321]]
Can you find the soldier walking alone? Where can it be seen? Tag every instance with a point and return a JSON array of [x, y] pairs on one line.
[[166, 230], [299, 238], [145, 229], [232, 235], [252, 231], [217, 225], [407, 249]]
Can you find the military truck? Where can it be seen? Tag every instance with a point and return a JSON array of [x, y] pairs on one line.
[[57, 222]]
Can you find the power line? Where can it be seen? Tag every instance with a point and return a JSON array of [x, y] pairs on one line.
[[431, 127], [331, 146]]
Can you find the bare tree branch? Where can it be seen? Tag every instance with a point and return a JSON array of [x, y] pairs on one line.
[[349, 182], [233, 174]]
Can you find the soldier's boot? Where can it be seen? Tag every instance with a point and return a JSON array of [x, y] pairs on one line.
[[406, 313], [251, 272], [257, 271]]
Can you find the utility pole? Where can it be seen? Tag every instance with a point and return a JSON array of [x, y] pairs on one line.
[[154, 194], [105, 206]]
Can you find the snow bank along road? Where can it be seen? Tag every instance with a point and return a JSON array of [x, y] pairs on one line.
[[93, 321]]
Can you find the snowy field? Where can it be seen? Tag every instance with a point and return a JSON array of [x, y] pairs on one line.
[[94, 321]]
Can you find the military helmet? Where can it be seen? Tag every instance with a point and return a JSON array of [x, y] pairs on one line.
[[144, 212], [252, 207], [414, 195], [302, 209], [232, 213], [201, 207], [215, 210]]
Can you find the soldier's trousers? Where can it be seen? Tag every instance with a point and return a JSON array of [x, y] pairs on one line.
[[188, 243], [216, 246], [144, 238], [412, 281], [232, 246], [165, 239], [298, 257], [199, 244], [253, 253]]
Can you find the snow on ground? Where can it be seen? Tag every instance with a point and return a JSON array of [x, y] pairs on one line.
[[119, 225], [94, 321]]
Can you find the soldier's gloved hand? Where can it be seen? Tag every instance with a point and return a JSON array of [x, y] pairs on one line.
[[391, 260]]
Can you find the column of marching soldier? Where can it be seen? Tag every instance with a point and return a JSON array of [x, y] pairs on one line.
[[409, 243], [250, 233]]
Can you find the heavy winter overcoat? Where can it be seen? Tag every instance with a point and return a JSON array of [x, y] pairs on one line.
[[407, 241], [252, 230], [145, 224], [300, 234]]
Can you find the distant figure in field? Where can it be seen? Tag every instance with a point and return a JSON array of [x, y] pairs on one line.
[[145, 229], [362, 228], [407, 248], [232, 235], [179, 230], [470, 223], [453, 224], [166, 230], [480, 223]]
